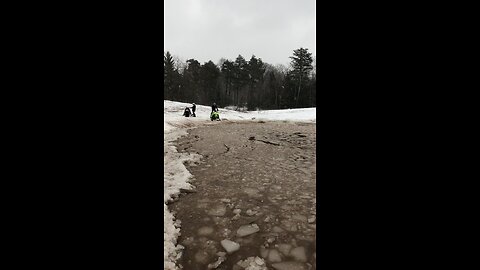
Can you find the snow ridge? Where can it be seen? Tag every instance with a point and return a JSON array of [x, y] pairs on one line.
[[175, 177]]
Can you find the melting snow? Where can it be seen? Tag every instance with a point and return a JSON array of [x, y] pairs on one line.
[[252, 263]]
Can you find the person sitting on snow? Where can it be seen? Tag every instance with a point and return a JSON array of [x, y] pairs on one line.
[[187, 112]]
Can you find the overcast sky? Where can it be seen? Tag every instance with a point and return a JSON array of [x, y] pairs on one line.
[[211, 29]]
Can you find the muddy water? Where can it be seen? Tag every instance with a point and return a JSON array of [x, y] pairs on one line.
[[255, 186]]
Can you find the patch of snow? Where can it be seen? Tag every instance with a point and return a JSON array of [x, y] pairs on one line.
[[259, 261], [217, 263], [252, 263]]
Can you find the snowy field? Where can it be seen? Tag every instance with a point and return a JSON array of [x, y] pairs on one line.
[[177, 177]]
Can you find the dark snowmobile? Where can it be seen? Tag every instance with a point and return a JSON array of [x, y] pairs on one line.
[[187, 112]]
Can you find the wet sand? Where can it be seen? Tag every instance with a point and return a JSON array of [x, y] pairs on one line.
[[255, 186]]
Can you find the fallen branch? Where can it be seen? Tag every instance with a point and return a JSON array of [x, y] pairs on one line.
[[182, 190], [269, 142]]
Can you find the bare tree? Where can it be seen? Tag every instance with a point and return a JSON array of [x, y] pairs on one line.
[[180, 63]]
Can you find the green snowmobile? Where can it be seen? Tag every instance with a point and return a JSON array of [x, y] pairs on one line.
[[214, 116]]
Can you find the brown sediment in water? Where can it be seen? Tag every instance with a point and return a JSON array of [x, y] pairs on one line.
[[251, 173]]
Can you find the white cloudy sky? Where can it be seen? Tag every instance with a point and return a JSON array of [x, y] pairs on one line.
[[211, 29]]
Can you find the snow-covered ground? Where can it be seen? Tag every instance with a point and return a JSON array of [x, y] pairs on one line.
[[177, 177]]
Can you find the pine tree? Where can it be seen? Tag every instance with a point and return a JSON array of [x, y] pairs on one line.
[[170, 77], [256, 69], [240, 76], [227, 71], [302, 66], [191, 79], [209, 74]]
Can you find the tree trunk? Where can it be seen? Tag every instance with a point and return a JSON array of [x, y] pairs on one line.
[[298, 94], [276, 97], [226, 86], [310, 96], [236, 96]]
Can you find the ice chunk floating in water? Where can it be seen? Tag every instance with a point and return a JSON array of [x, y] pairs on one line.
[[205, 230], [247, 230], [285, 249], [274, 256], [218, 210], [230, 246], [251, 263], [299, 254], [289, 266]]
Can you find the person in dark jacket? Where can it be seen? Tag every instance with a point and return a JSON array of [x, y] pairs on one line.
[[194, 107], [214, 107], [186, 113]]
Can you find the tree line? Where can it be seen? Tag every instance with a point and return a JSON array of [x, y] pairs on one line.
[[250, 84]]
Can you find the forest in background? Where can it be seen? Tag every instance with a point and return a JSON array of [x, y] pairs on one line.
[[242, 84]]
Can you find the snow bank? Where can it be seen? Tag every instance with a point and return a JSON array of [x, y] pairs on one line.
[[175, 177], [297, 115], [173, 112]]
